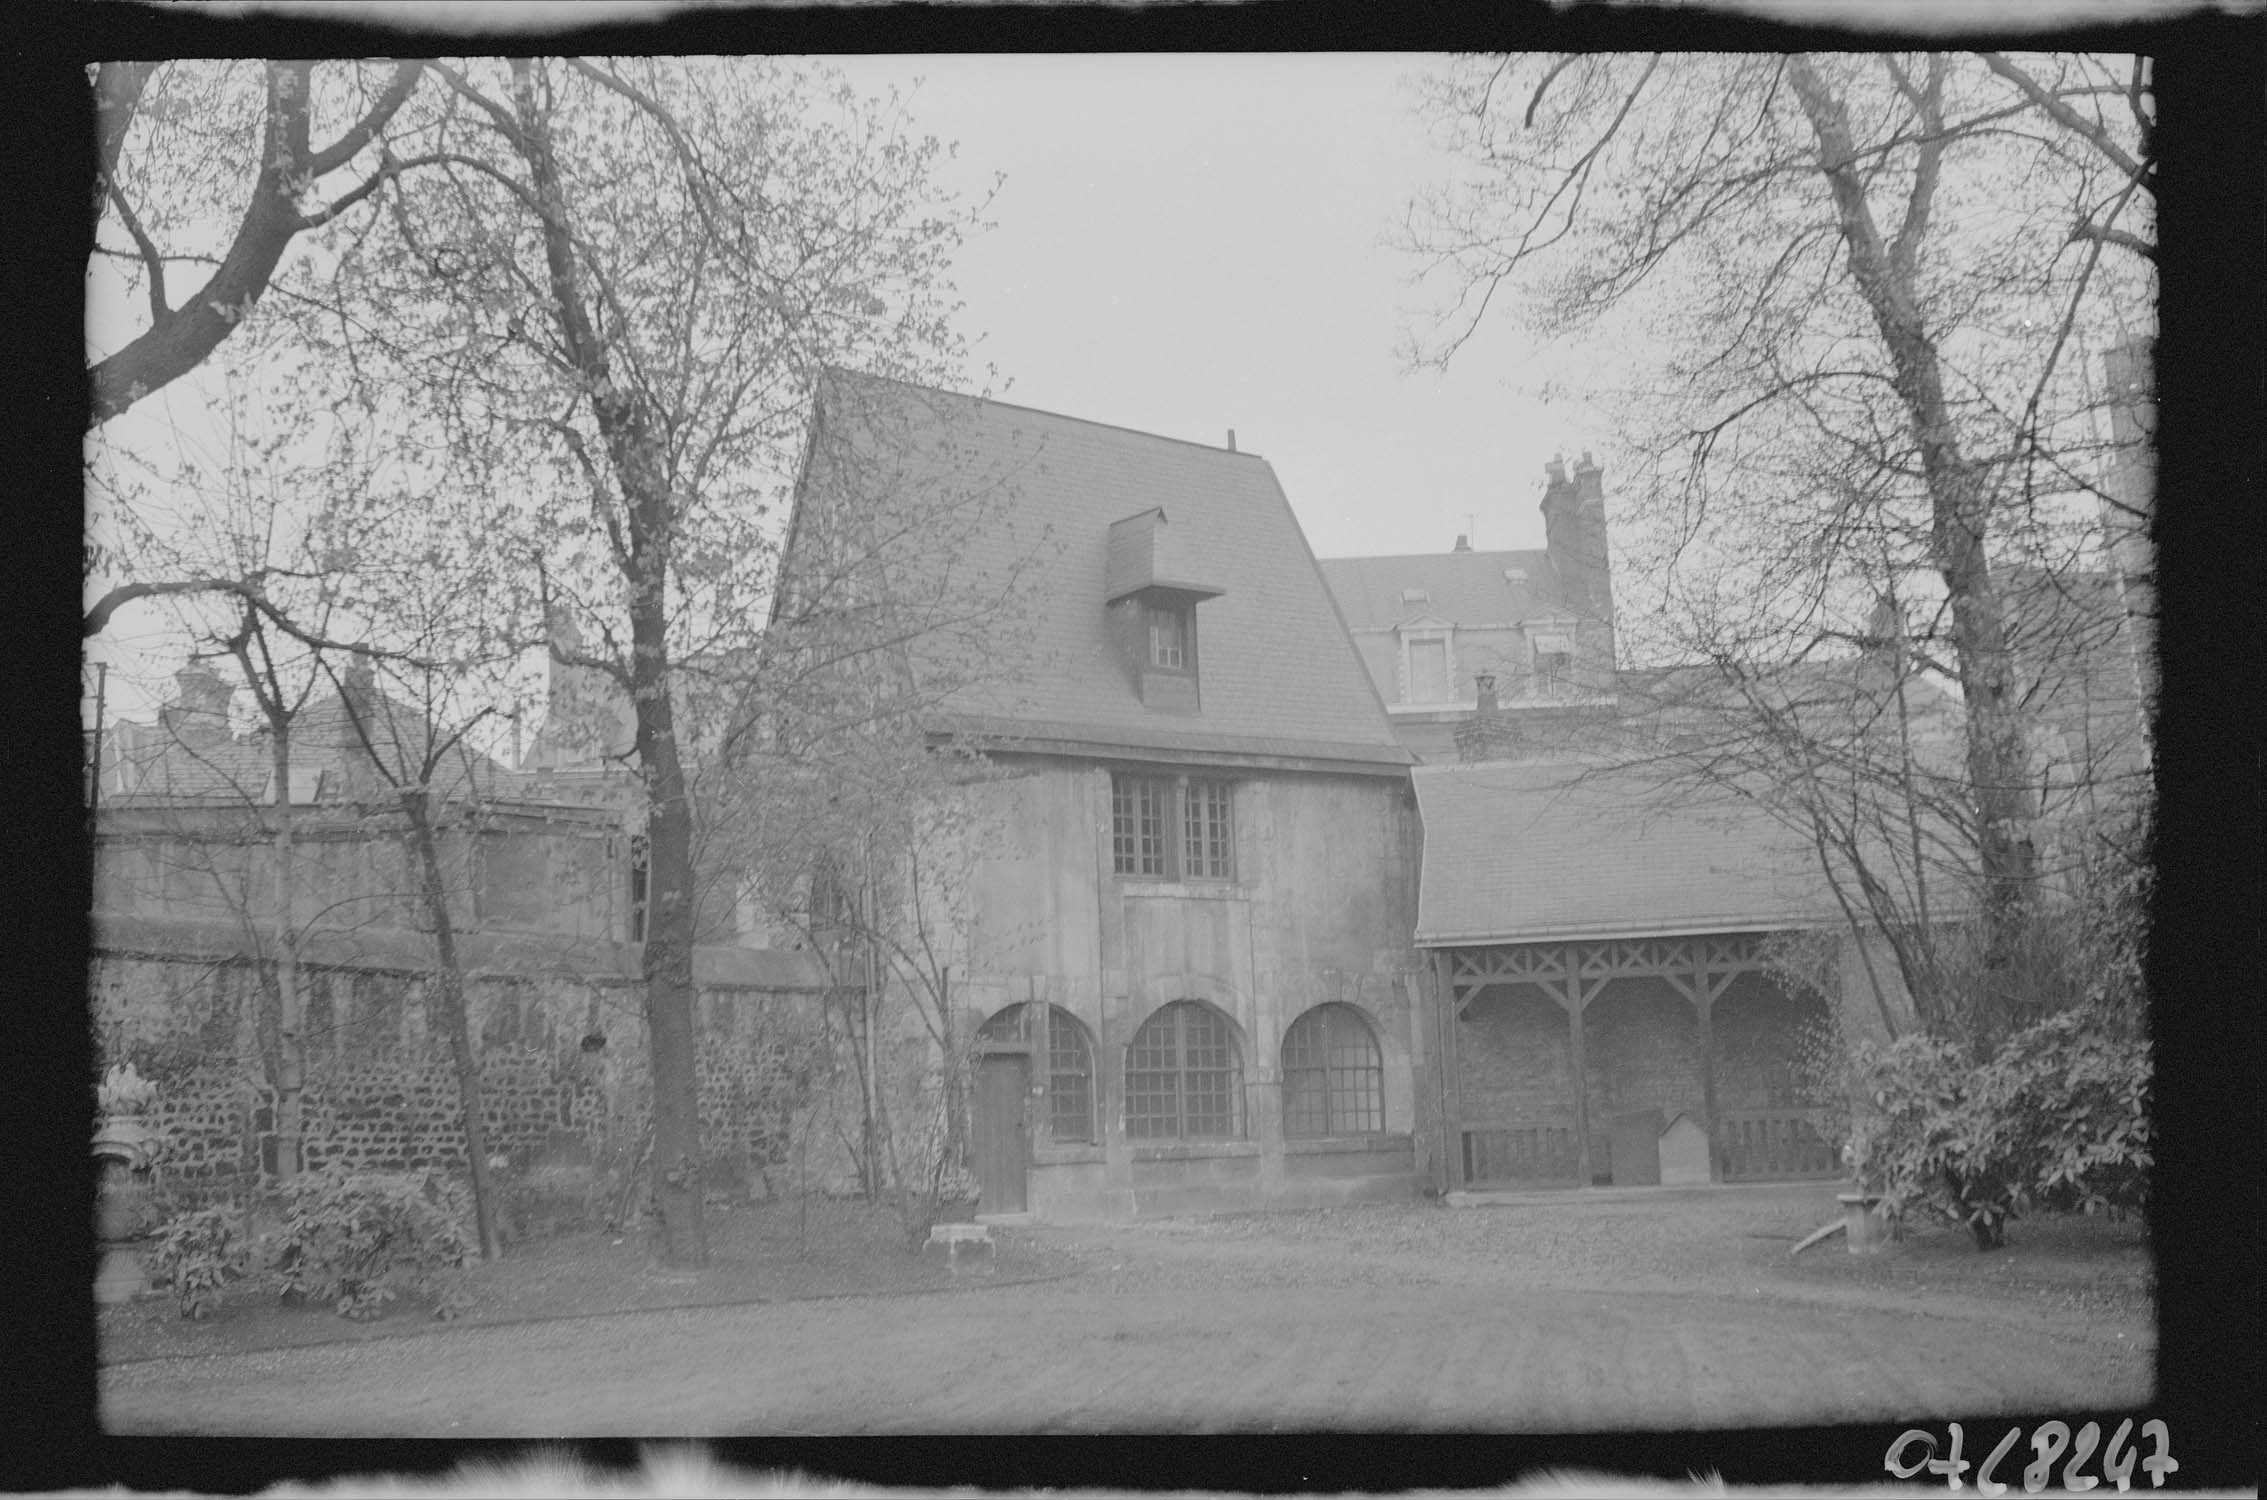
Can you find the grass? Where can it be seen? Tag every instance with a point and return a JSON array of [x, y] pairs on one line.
[[2055, 1269], [757, 1253]]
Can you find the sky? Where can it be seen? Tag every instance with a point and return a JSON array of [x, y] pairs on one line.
[[1189, 244], [1185, 244]]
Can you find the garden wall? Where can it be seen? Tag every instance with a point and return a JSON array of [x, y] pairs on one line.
[[563, 1072]]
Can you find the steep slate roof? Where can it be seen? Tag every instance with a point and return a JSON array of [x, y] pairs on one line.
[[1535, 851], [1279, 676], [1465, 588]]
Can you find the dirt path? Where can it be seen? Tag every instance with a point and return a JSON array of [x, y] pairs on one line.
[[1576, 1316], [1052, 1358]]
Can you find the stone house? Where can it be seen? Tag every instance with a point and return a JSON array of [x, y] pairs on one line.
[[1186, 945], [1538, 624]]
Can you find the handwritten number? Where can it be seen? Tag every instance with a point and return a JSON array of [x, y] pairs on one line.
[[1894, 1462], [1985, 1484], [2088, 1436], [2117, 1459], [1952, 1465], [2161, 1462], [2048, 1442]]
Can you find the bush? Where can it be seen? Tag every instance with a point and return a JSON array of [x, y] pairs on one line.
[[2057, 1116], [353, 1239], [199, 1253]]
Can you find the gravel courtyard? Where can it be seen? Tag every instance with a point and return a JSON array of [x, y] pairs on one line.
[[1671, 1310]]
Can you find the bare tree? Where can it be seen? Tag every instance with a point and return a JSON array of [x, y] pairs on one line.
[[182, 144], [1869, 287], [614, 285]]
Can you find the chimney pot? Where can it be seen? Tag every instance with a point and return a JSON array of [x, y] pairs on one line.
[[1231, 440], [1463, 542]]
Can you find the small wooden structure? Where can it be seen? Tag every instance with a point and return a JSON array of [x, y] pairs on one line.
[[1684, 1153]]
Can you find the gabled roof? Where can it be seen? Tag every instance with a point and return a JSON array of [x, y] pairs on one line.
[[1278, 675], [1539, 851], [1468, 588]]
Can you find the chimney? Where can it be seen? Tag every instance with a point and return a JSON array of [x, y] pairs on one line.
[[1231, 440], [1589, 481], [199, 713], [1463, 542], [358, 768], [1487, 735], [1574, 532]]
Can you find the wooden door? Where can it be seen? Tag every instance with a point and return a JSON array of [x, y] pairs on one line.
[[1003, 1142]]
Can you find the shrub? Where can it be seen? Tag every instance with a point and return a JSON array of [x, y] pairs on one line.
[[353, 1239], [2057, 1116], [199, 1253]]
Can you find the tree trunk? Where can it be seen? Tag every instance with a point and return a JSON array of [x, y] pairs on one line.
[[669, 982], [1959, 519], [416, 804], [291, 1052], [643, 556]]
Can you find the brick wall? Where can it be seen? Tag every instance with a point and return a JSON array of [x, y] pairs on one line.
[[1642, 1046], [1641, 1040], [1758, 1031], [1515, 1061], [563, 1061]]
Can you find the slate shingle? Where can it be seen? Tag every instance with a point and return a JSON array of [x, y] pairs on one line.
[[1521, 852], [1278, 672]]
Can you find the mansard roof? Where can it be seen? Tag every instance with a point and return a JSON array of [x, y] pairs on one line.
[[1279, 676], [1468, 588]]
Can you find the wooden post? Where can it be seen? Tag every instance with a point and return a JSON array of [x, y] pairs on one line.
[[1450, 1052], [1704, 1002], [1573, 999]]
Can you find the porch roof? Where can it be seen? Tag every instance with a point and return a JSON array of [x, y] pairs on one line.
[[1542, 851]]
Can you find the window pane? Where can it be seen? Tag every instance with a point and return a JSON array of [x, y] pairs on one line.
[[1428, 671], [1168, 639], [1304, 1111], [1137, 824], [1333, 1076], [1153, 1092], [1209, 844], [1209, 1073], [1183, 1079], [1070, 1078]]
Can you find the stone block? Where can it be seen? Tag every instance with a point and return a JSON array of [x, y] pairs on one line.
[[960, 1244]]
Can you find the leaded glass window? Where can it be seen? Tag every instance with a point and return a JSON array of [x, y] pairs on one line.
[[1172, 828], [1209, 842], [1333, 1078], [1138, 824], [1184, 1080]]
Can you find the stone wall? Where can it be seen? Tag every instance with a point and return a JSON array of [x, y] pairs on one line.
[[563, 1071]]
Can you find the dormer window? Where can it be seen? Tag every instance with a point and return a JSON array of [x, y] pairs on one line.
[[1169, 637], [1428, 662], [1554, 660], [1151, 592]]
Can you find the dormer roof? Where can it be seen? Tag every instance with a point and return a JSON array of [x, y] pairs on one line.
[[1146, 555]]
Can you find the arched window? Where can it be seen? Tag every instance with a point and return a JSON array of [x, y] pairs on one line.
[[1183, 1078], [1054, 1035], [1333, 1080]]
